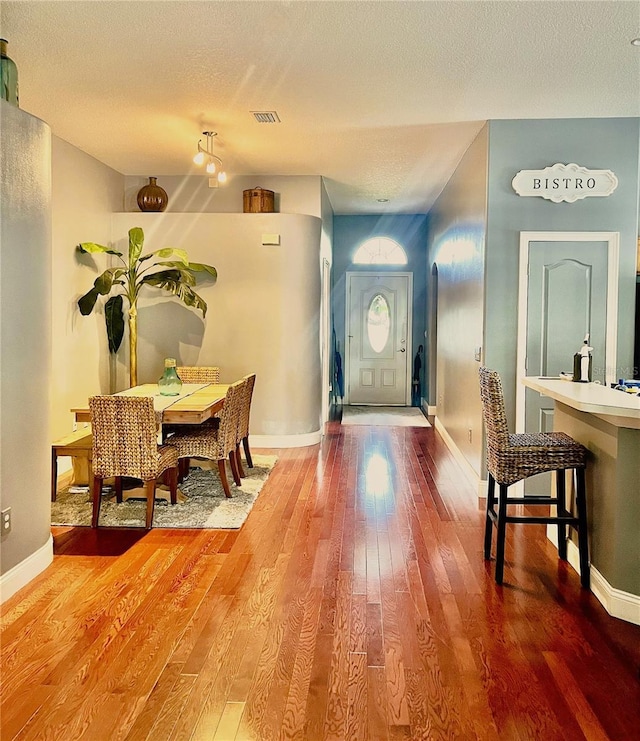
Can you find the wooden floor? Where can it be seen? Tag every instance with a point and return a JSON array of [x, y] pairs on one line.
[[353, 604]]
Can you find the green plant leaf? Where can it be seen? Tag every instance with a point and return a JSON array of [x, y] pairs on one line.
[[179, 272], [200, 267], [136, 243], [114, 319], [167, 281], [193, 267], [93, 248], [163, 278], [180, 255], [88, 301], [103, 283]]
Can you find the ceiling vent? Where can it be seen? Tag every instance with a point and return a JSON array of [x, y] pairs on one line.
[[266, 116]]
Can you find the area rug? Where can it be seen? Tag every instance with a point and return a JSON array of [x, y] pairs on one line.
[[384, 416], [201, 502]]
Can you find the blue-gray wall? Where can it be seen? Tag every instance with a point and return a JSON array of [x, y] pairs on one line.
[[595, 143], [410, 231], [476, 253]]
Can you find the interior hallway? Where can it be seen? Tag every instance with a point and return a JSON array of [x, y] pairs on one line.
[[353, 604]]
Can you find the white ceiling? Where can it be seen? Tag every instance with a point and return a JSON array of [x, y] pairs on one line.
[[380, 98]]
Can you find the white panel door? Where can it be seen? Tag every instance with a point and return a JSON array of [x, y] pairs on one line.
[[566, 299], [378, 332]]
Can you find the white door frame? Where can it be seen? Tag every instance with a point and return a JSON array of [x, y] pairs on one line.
[[613, 255], [325, 342], [347, 323]]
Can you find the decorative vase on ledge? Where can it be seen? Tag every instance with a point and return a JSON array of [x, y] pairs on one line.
[[8, 76], [152, 197]]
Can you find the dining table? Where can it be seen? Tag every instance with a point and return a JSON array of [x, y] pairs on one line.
[[195, 404]]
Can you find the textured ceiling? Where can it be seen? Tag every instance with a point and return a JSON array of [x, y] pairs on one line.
[[380, 98]]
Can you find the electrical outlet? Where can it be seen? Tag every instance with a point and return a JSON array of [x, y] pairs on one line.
[[5, 519]]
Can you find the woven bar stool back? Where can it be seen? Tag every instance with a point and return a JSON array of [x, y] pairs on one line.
[[125, 444], [515, 457], [199, 373]]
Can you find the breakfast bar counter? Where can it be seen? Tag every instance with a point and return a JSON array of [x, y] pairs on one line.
[[607, 423]]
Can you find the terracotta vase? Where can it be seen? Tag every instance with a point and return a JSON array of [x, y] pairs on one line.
[[152, 197]]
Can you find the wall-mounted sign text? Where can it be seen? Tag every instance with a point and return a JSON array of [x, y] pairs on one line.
[[568, 183]]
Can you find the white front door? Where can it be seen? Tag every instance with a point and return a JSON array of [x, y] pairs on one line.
[[378, 332]]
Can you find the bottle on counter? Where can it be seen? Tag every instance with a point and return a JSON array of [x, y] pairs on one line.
[[170, 383], [583, 362], [8, 76]]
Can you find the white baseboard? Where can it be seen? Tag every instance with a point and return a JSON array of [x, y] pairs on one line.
[[285, 441], [23, 572], [473, 477], [618, 604]]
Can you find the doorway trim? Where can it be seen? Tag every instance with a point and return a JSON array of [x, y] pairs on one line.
[[613, 257], [325, 342], [347, 327]]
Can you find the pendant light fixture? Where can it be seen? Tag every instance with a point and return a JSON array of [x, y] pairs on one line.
[[205, 156]]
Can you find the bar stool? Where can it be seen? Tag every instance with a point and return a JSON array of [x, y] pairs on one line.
[[515, 457]]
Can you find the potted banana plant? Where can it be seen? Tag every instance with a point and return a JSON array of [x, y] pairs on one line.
[[168, 269]]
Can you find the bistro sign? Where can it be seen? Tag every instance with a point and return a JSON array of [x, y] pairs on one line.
[[568, 183]]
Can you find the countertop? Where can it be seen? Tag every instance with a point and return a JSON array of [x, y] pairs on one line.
[[616, 407]]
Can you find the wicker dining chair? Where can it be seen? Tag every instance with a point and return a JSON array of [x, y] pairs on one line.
[[243, 422], [515, 457], [199, 373], [125, 444], [215, 443]]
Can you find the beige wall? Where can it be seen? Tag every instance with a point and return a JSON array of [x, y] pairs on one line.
[[255, 289], [85, 193], [263, 312]]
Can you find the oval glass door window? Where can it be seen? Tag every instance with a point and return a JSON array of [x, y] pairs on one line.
[[378, 322]]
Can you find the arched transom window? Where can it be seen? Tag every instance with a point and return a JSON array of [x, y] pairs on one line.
[[380, 251]]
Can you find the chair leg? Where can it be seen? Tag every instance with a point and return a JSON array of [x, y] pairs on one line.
[[172, 481], [54, 474], [96, 491], [561, 508], [583, 536], [234, 467], [247, 452], [150, 491], [183, 469], [502, 531], [223, 477], [118, 486], [239, 462], [488, 525]]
